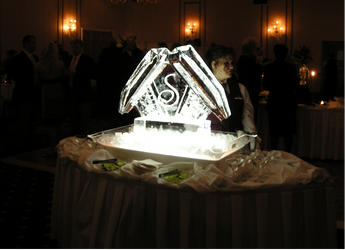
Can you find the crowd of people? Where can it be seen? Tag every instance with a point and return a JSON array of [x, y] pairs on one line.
[[57, 86], [243, 81]]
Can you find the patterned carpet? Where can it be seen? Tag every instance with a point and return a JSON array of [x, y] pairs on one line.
[[25, 210], [26, 184]]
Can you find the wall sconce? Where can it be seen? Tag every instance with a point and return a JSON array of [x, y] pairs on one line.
[[72, 26], [276, 30], [191, 29]]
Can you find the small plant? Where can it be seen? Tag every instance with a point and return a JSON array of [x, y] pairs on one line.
[[302, 55]]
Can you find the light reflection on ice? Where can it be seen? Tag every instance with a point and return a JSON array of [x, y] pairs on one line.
[[174, 92], [212, 146], [174, 84]]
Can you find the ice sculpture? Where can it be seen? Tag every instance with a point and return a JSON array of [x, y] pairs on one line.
[[174, 92], [174, 86]]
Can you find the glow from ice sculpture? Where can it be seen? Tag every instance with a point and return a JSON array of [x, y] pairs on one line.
[[188, 144], [174, 92], [174, 86]]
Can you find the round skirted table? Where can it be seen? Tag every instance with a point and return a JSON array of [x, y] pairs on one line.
[[320, 130], [94, 208]]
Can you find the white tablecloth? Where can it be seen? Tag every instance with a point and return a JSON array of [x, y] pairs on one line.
[[98, 209], [320, 131]]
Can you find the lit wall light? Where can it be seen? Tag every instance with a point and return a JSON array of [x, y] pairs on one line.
[[275, 30], [191, 28], [72, 26], [135, 1]]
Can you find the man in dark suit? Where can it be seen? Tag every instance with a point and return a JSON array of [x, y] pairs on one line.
[[26, 95], [282, 83], [109, 86], [131, 57], [249, 72], [81, 69], [22, 71]]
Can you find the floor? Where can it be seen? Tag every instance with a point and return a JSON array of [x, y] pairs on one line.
[[26, 199]]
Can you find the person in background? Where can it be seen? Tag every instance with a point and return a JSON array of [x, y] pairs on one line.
[[174, 45], [81, 69], [131, 57], [197, 46], [189, 42], [63, 55], [281, 81], [49, 73], [6, 63], [162, 45], [331, 68], [221, 61], [131, 53], [26, 95], [108, 70], [259, 55], [250, 72]]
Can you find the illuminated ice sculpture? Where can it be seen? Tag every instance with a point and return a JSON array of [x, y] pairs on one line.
[[173, 90]]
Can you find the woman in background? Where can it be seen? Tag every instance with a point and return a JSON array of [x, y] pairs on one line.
[[221, 61], [50, 73]]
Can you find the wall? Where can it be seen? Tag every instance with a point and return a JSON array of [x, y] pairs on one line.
[[230, 23], [19, 18], [305, 22], [314, 22]]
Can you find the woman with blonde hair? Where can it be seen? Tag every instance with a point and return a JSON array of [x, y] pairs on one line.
[[50, 73]]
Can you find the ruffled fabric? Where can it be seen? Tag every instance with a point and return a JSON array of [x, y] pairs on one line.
[[285, 170]]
